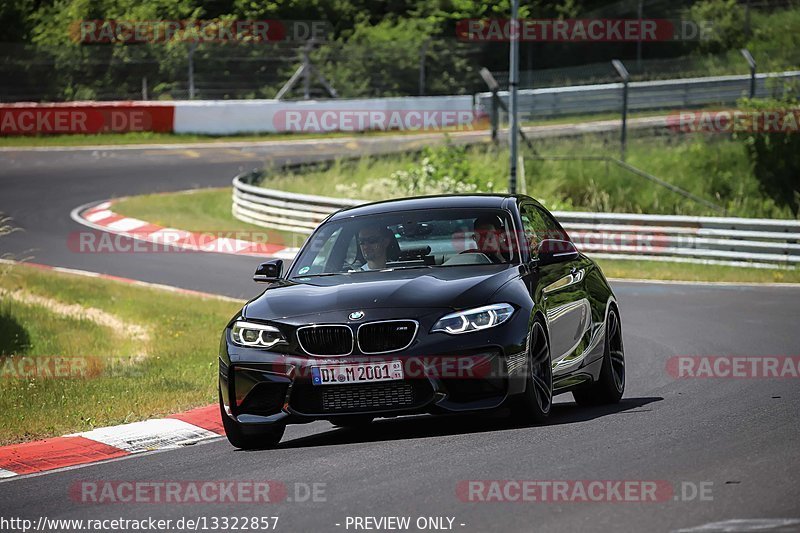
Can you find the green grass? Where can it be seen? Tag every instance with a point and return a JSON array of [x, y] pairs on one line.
[[658, 270], [178, 372], [202, 211], [714, 168]]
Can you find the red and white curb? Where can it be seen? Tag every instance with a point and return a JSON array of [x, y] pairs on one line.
[[111, 442], [101, 217]]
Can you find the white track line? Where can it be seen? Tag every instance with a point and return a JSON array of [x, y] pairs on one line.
[[153, 434], [705, 283], [136, 282]]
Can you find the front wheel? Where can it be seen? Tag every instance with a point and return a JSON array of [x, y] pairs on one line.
[[611, 385], [264, 439], [535, 403]]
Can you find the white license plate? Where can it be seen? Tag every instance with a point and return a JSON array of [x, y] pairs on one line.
[[358, 373]]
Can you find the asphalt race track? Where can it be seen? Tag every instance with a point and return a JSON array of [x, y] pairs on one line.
[[740, 437]]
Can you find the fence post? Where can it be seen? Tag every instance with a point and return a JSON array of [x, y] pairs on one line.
[[513, 68], [423, 53], [192, 48], [752, 63], [495, 115], [639, 40], [306, 72], [144, 87], [623, 73], [496, 103]]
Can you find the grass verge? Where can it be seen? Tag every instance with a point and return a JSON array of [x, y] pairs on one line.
[[201, 211], [660, 270], [715, 168], [177, 373]]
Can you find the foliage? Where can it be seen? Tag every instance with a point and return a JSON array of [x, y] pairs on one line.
[[440, 170], [375, 48], [775, 156], [713, 167], [726, 19]]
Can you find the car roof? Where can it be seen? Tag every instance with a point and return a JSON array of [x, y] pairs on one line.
[[496, 201]]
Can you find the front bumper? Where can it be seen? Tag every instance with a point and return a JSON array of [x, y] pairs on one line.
[[465, 373]]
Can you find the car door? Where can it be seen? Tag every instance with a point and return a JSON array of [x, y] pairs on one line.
[[559, 288]]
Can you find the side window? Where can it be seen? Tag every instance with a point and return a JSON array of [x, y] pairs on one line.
[[554, 229], [534, 227]]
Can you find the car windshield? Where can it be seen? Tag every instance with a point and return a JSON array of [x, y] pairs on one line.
[[409, 239]]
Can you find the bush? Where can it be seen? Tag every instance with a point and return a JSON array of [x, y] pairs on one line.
[[727, 24], [775, 157], [440, 170]]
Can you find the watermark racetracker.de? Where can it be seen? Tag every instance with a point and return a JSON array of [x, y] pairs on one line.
[[581, 491], [735, 121], [734, 366], [208, 491], [118, 31], [583, 30], [167, 240], [46, 367]]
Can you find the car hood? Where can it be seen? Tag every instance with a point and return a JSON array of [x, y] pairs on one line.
[[447, 287]]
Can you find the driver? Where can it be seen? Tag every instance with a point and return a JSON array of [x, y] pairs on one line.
[[374, 242], [490, 238]]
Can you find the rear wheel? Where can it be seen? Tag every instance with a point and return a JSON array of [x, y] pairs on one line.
[[611, 385], [535, 403], [264, 439]]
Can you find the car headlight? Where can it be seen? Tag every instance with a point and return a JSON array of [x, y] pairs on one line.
[[476, 319], [255, 335]]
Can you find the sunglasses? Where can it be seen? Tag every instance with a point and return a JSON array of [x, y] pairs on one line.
[[369, 240]]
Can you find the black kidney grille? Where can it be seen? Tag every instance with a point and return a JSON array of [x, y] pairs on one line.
[[326, 340], [341, 398], [386, 336]]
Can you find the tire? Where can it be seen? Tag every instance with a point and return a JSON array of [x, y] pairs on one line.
[[535, 403], [264, 439], [609, 388], [352, 422]]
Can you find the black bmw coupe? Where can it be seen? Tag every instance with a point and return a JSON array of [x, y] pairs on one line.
[[435, 304]]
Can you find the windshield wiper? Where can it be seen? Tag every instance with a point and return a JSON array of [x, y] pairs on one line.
[[322, 275], [407, 267]]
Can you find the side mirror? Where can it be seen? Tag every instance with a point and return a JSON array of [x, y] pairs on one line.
[[552, 251], [269, 271]]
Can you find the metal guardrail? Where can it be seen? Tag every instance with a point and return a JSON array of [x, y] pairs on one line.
[[725, 240], [643, 95]]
